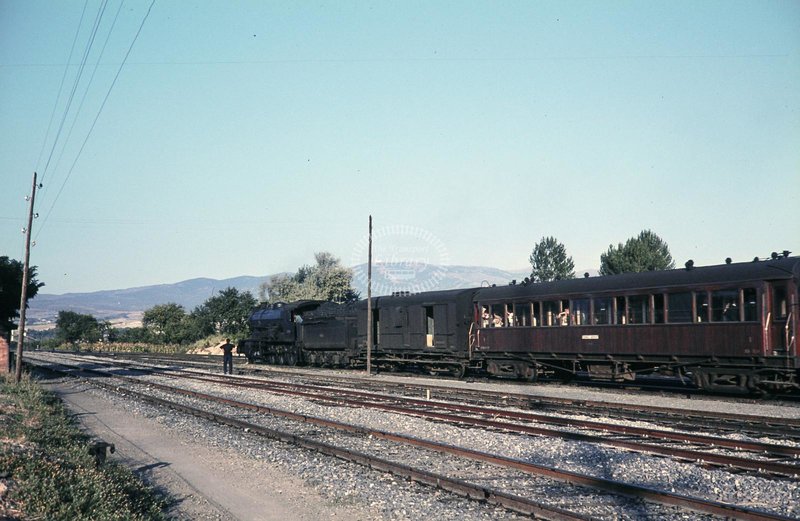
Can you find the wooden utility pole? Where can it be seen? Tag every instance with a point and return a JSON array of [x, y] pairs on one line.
[[369, 301], [24, 298]]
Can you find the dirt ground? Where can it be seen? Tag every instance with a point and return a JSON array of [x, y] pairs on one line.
[[207, 484], [216, 349]]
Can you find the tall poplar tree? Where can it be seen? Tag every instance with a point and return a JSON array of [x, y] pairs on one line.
[[549, 261]]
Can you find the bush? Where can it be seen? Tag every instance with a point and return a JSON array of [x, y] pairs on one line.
[[49, 470]]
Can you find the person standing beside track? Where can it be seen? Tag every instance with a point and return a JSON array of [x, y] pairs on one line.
[[227, 357]]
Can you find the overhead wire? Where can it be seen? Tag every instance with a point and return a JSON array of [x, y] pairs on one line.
[[97, 116], [89, 84], [75, 84], [61, 86]]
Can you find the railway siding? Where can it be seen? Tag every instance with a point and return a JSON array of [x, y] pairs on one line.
[[635, 469]]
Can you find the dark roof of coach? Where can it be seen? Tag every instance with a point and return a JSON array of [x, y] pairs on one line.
[[423, 298], [782, 268]]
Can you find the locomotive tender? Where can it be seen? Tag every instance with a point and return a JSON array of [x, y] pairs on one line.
[[731, 327]]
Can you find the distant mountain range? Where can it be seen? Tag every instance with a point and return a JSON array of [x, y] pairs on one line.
[[127, 305]]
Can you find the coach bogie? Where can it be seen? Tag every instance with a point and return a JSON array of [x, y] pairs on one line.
[[513, 368], [612, 372]]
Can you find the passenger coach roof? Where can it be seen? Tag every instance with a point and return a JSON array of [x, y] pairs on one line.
[[428, 296], [783, 268]]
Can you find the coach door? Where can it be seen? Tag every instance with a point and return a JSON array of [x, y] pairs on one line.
[[781, 320]]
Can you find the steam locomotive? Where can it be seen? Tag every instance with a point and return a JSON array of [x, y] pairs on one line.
[[729, 327]]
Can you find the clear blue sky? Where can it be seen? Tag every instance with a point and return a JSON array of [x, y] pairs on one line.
[[241, 137]]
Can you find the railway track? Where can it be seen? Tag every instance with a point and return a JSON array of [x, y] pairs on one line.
[[673, 444], [764, 458], [684, 419], [441, 412]]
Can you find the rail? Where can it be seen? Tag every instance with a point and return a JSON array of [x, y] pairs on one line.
[[609, 485], [413, 406]]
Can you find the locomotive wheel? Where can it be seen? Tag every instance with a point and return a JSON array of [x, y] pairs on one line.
[[458, 371], [291, 358]]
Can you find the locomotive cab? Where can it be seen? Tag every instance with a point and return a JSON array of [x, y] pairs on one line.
[[274, 332]]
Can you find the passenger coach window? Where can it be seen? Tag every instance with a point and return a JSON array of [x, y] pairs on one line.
[[701, 306], [621, 310], [602, 311], [537, 314], [779, 306], [679, 307], [550, 311], [496, 315], [750, 305], [658, 308], [580, 311], [639, 309], [522, 315], [725, 305]]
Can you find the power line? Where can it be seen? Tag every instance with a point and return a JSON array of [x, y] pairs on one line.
[[61, 86], [75, 84], [89, 133], [89, 84]]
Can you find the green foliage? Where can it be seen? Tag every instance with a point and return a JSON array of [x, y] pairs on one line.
[[11, 290], [77, 327], [225, 313], [646, 252], [54, 476], [328, 280], [549, 261], [130, 335], [167, 323]]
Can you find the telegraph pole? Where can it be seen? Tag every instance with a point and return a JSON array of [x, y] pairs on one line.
[[369, 302], [24, 298]]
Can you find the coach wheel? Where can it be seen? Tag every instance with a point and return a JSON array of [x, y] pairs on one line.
[[327, 359], [271, 359], [531, 374], [458, 371]]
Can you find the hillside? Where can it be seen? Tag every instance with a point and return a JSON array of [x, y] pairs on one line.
[[123, 305], [129, 303]]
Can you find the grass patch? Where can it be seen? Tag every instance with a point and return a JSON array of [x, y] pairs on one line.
[[48, 471]]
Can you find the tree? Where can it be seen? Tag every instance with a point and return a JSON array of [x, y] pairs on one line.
[[77, 327], [225, 313], [131, 335], [549, 261], [646, 252], [166, 322], [328, 280], [11, 290]]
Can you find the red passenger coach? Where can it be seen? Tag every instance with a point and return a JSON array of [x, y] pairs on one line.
[[730, 327]]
